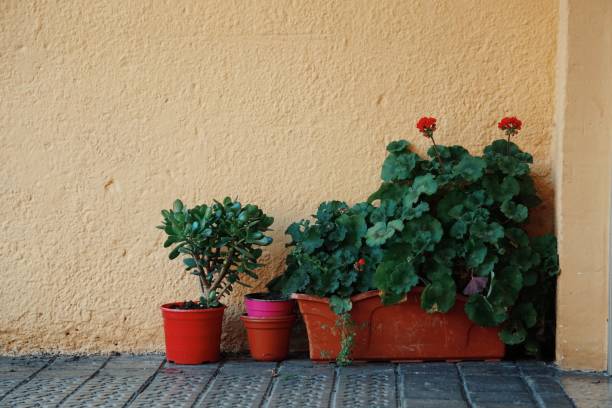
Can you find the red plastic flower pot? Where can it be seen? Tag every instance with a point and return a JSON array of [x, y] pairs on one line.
[[193, 336], [269, 336], [402, 331], [261, 305]]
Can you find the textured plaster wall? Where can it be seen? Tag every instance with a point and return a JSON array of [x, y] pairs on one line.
[[109, 110], [583, 170]]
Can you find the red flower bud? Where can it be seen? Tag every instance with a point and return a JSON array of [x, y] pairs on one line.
[[361, 262]]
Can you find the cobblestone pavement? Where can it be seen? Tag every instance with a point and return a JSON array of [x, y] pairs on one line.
[[149, 381]]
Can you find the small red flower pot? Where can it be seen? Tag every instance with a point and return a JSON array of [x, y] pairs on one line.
[[269, 336], [266, 305], [193, 336]]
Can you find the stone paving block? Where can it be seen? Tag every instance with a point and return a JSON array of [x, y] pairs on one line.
[[536, 368], [15, 370], [51, 385], [117, 382], [176, 386], [434, 368], [303, 384], [371, 385], [517, 404], [433, 403], [239, 384], [488, 368], [477, 383], [501, 397], [438, 380]]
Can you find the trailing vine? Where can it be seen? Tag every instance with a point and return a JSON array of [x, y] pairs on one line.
[[346, 327]]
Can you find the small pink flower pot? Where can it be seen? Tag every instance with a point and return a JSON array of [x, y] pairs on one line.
[[268, 305]]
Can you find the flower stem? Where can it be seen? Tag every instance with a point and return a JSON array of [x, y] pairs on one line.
[[508, 146], [437, 153]]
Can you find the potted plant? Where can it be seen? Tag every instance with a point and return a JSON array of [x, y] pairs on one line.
[[456, 272], [328, 263], [269, 336], [220, 245], [268, 322]]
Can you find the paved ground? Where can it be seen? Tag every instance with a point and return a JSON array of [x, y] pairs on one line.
[[148, 381]]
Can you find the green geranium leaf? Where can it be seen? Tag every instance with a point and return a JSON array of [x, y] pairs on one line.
[[470, 168], [398, 166], [503, 191], [482, 312], [459, 229], [517, 237], [440, 295], [422, 185], [487, 265], [422, 233], [395, 279], [490, 233], [516, 212], [513, 333], [311, 239], [411, 213], [477, 252], [425, 184], [388, 191], [397, 225], [397, 146], [379, 233]]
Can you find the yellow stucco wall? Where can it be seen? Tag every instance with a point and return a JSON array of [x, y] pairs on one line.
[[109, 110], [583, 170]]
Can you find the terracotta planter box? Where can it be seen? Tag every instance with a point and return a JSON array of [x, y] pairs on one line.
[[402, 331]]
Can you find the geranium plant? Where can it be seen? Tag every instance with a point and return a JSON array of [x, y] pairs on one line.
[[220, 244], [329, 258], [454, 222], [451, 222]]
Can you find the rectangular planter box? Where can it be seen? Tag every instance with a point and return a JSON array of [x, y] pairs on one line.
[[402, 331]]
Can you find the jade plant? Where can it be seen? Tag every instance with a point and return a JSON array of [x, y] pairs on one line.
[[454, 222], [219, 243]]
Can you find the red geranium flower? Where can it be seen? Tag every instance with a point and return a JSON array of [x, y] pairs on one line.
[[426, 126], [511, 125]]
